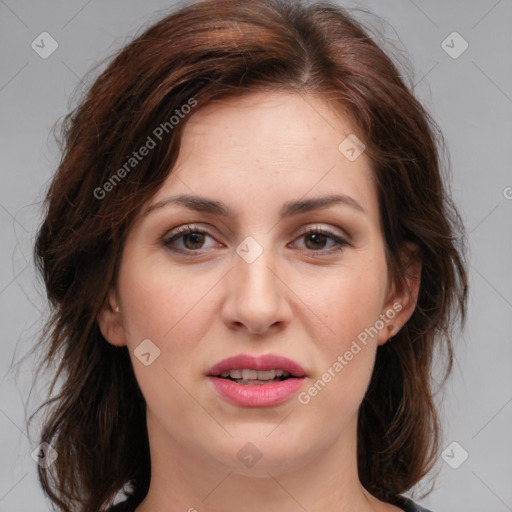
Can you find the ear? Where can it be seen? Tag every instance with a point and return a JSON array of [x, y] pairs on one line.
[[402, 299], [110, 321]]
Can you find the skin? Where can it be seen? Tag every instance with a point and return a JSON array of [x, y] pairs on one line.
[[300, 298]]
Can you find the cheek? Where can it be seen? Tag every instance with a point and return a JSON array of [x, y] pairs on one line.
[[351, 307], [350, 304], [169, 308], [357, 306], [345, 366], [354, 312]]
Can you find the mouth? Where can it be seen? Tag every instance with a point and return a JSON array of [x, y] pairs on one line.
[[257, 381], [249, 377], [257, 371]]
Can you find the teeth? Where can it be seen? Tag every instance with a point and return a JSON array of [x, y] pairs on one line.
[[247, 374]]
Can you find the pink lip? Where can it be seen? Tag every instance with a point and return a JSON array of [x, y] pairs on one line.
[[264, 362], [264, 395]]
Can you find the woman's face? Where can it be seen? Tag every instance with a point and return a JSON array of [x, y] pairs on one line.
[[256, 282]]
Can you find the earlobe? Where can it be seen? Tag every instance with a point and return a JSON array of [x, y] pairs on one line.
[[403, 297], [110, 322]]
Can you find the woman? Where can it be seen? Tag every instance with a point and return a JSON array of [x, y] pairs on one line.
[[251, 257]]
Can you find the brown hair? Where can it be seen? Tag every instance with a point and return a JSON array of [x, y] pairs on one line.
[[206, 51]]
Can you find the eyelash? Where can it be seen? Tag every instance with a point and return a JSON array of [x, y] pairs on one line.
[[340, 243]]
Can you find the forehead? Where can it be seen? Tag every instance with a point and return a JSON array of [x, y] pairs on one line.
[[273, 121], [279, 144]]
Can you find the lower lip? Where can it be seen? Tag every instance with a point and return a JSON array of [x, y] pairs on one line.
[[262, 395]]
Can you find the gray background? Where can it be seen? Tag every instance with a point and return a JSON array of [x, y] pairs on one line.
[[470, 97]]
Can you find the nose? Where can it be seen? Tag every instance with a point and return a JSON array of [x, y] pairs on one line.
[[258, 296]]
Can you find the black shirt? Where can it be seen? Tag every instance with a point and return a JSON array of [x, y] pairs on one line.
[[409, 506], [406, 504]]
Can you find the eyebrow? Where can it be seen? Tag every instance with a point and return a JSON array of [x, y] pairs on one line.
[[289, 209]]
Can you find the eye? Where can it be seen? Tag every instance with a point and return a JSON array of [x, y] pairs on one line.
[[193, 239], [317, 238]]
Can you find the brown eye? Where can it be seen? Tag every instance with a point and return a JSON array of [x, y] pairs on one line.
[[317, 239], [193, 239], [196, 240]]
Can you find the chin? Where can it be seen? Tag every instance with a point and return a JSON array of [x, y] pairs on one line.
[[259, 455]]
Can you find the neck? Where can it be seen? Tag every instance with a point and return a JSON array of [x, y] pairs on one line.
[[183, 480]]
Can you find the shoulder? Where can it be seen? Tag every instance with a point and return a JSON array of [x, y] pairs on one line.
[[407, 505], [124, 506]]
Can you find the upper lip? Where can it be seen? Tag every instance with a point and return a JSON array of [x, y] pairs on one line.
[[263, 362]]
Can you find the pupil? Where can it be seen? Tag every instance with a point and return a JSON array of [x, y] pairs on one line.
[[317, 236], [195, 240]]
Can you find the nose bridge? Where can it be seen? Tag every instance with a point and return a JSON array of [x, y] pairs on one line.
[[258, 298], [256, 281]]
